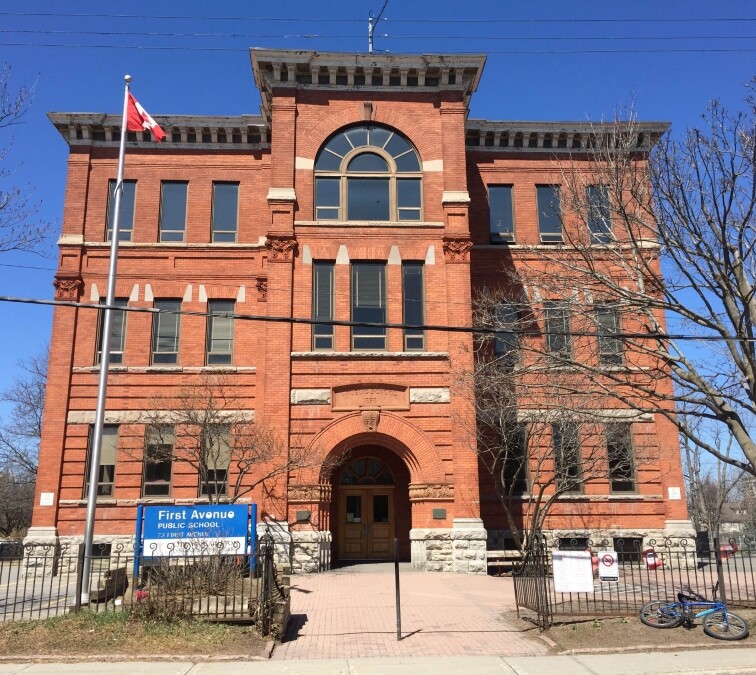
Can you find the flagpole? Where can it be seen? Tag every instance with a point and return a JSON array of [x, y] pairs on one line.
[[96, 447]]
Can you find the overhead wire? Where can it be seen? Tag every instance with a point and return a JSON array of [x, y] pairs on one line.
[[265, 318]]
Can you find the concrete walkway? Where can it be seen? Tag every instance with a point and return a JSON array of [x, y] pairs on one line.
[[350, 613], [710, 661]]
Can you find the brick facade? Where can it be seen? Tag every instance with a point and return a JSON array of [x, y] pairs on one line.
[[440, 493]]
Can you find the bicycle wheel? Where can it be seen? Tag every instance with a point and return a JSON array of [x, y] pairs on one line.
[[660, 614], [724, 625]]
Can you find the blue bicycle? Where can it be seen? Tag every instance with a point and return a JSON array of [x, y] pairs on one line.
[[718, 622]]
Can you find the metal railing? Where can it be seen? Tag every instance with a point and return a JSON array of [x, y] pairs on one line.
[[44, 581], [656, 569]]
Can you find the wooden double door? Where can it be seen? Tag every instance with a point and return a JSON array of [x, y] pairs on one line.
[[366, 519]]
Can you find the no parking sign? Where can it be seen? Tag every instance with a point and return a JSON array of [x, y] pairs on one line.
[[608, 566]]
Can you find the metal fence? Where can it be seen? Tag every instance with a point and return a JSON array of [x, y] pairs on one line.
[[45, 581], [650, 570]]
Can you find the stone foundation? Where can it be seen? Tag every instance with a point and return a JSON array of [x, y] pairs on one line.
[[461, 549], [311, 551]]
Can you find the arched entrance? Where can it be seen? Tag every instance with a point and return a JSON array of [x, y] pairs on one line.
[[370, 505]]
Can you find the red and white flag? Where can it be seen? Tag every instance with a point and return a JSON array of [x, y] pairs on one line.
[[139, 120]]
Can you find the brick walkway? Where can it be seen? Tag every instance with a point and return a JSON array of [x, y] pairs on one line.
[[350, 613]]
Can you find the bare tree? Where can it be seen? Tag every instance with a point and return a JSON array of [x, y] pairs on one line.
[[20, 435], [711, 484], [687, 340], [540, 439], [17, 204], [19, 444], [209, 427]]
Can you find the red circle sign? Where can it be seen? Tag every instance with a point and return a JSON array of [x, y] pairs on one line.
[[607, 560]]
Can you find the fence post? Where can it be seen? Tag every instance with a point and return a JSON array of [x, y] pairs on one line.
[[396, 583], [79, 568], [720, 571]]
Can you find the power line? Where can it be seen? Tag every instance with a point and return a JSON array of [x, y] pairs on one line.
[[513, 38], [265, 318], [28, 267], [510, 52], [189, 17]]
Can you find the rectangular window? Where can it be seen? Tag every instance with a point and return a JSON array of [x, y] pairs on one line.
[[322, 305], [607, 331], [599, 220], [619, 447], [117, 332], [108, 454], [408, 198], [126, 221], [220, 332], [173, 210], [225, 211], [369, 305], [368, 199], [549, 213], [514, 456], [500, 214], [158, 461], [566, 444], [327, 198], [166, 323], [506, 342], [414, 309], [217, 457], [558, 331], [628, 549]]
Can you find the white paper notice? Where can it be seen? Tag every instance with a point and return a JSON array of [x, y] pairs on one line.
[[572, 571], [674, 493], [46, 498]]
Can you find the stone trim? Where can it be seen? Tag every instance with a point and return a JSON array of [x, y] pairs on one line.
[[175, 369], [281, 194], [310, 397], [146, 416], [455, 197], [370, 355], [430, 395], [427, 492], [597, 415], [309, 494]]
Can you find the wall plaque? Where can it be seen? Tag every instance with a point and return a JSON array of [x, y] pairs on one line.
[[370, 397]]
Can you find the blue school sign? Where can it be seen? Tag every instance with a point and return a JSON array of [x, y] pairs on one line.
[[194, 530]]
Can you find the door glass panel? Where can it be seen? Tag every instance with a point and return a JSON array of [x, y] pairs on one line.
[[380, 508], [354, 508]]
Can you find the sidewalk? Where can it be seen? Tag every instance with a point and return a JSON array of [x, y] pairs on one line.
[[710, 661]]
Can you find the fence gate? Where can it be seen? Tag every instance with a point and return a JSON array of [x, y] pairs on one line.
[[531, 583]]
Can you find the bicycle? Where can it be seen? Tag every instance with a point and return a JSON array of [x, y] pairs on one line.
[[718, 621]]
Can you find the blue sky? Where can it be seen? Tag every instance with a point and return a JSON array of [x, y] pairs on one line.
[[546, 61]]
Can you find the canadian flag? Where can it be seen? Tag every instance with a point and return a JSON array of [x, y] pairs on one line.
[[139, 120]]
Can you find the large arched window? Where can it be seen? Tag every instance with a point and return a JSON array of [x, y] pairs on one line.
[[368, 173]]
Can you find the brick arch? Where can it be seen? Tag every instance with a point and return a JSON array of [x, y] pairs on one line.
[[393, 432], [402, 123]]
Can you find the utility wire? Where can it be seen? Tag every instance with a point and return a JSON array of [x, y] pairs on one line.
[[513, 38], [511, 52], [79, 15], [486, 330]]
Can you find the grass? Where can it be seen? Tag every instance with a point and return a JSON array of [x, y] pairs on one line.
[[117, 633]]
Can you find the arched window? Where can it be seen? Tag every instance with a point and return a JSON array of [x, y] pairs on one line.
[[366, 471], [368, 173]]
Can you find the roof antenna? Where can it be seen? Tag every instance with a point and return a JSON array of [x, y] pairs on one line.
[[372, 23]]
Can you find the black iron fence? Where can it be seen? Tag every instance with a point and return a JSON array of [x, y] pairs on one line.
[[45, 581], [650, 570]]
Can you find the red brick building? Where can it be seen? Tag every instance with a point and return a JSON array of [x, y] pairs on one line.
[[361, 192]]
